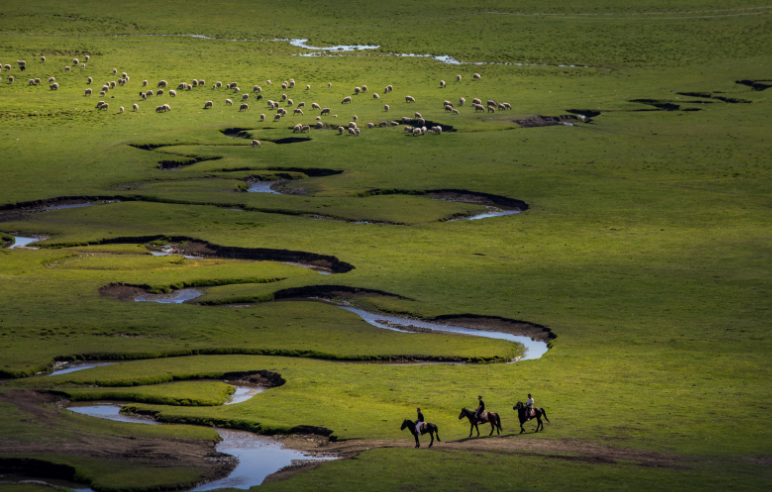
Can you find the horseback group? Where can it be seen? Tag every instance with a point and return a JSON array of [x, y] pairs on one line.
[[525, 412]]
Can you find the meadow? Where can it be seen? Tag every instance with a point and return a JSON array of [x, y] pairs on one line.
[[642, 240]]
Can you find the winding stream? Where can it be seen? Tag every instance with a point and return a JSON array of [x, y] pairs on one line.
[[263, 187], [76, 366], [176, 297]]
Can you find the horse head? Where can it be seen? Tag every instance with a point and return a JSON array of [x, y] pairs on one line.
[[464, 413], [518, 406], [404, 424]]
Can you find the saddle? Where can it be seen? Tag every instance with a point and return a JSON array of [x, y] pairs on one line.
[[530, 413], [423, 427], [483, 418]]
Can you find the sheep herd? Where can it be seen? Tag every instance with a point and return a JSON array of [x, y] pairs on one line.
[[162, 87]]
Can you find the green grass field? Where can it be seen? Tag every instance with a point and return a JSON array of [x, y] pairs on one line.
[[645, 246]]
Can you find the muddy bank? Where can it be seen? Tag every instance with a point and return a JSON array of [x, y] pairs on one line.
[[122, 292], [194, 247], [11, 212], [458, 195], [43, 407], [756, 85], [539, 121], [495, 323], [331, 292]]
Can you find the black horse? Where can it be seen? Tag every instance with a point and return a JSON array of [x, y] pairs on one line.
[[431, 429], [492, 418], [521, 409]]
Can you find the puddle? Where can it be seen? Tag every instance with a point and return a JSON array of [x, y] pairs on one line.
[[176, 297], [22, 241], [67, 368], [263, 187], [258, 456], [533, 349], [244, 392], [62, 207], [489, 213]]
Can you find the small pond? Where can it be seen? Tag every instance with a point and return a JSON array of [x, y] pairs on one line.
[[23, 241], [263, 187], [176, 297]]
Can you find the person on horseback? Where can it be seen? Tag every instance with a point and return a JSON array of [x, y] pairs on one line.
[[480, 409], [528, 407], [419, 422]]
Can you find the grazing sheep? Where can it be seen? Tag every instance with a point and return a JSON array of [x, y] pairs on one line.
[[89, 80], [437, 130], [201, 82], [82, 65], [67, 69], [501, 106], [308, 87], [162, 83], [233, 85], [256, 88], [461, 101], [458, 78], [99, 104], [357, 90], [371, 125], [149, 93], [346, 99], [383, 124], [447, 103], [477, 76], [214, 86], [31, 82], [262, 117], [356, 118], [255, 143], [352, 124], [54, 86], [173, 93], [417, 115], [218, 84], [455, 111], [115, 71], [364, 88], [188, 87], [409, 99], [158, 109], [105, 106], [284, 97], [305, 128], [42, 59], [6, 67], [276, 117], [491, 102], [124, 75], [268, 82], [121, 81], [88, 92], [292, 83], [88, 58], [421, 121], [284, 85], [208, 104], [228, 102], [318, 118], [159, 92], [416, 132], [194, 83], [283, 111], [340, 130], [448, 108], [325, 111], [120, 110], [352, 131], [102, 93], [143, 95], [476, 101], [298, 111], [358, 131], [301, 105], [236, 89], [315, 106], [442, 83], [491, 109], [319, 125], [408, 129], [290, 102], [244, 97], [507, 105], [135, 107], [394, 123], [297, 128], [182, 85], [478, 107], [51, 80], [405, 119]]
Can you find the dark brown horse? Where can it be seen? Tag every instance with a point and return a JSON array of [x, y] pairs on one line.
[[431, 429], [521, 409], [491, 418]]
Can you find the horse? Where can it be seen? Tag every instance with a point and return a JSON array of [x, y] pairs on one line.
[[521, 409], [491, 418], [430, 428]]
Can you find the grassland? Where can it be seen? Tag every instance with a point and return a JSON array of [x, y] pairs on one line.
[[645, 246]]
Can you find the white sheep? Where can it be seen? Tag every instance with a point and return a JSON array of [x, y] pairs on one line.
[[297, 128], [290, 102], [67, 68], [394, 123], [371, 125], [301, 105], [284, 97], [315, 106], [201, 82], [162, 83], [409, 99], [6, 67], [491, 109], [346, 99], [89, 80], [120, 110], [51, 80], [236, 89], [143, 95], [319, 125], [329, 85], [218, 84], [82, 65], [447, 103], [268, 82], [102, 93], [159, 92], [276, 117], [228, 102], [308, 87], [376, 96], [31, 82], [208, 104], [54, 86], [305, 128], [298, 111], [386, 107], [256, 88], [352, 131], [262, 117], [194, 83], [477, 76], [232, 85], [325, 111], [149, 93], [417, 115], [364, 88], [455, 111], [458, 78], [292, 83], [99, 104], [173, 93], [284, 85], [507, 105], [88, 92], [182, 85], [167, 107], [476, 101], [448, 108], [358, 131], [124, 75], [318, 118], [42, 59], [352, 124], [389, 88], [356, 117], [357, 90], [340, 130], [442, 83], [88, 58], [135, 107], [491, 102], [244, 97], [105, 106], [115, 71], [144, 83], [416, 131], [408, 129], [461, 101], [383, 124], [255, 143]]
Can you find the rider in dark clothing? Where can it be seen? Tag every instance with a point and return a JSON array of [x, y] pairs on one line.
[[419, 422], [480, 408]]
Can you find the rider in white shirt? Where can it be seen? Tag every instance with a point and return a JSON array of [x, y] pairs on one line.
[[528, 407]]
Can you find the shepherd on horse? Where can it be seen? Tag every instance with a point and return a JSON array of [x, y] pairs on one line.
[[527, 412], [419, 427], [480, 416]]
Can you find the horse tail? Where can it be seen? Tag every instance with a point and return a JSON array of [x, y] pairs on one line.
[[498, 421], [437, 432], [544, 413]]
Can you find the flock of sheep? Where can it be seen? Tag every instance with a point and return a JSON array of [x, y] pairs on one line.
[[162, 86]]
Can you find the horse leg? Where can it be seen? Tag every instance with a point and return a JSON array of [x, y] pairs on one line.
[[417, 442], [493, 427], [471, 429], [521, 426], [538, 423], [478, 430], [431, 434]]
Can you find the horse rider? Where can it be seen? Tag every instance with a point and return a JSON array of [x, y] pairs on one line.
[[419, 422], [528, 407], [480, 408]]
